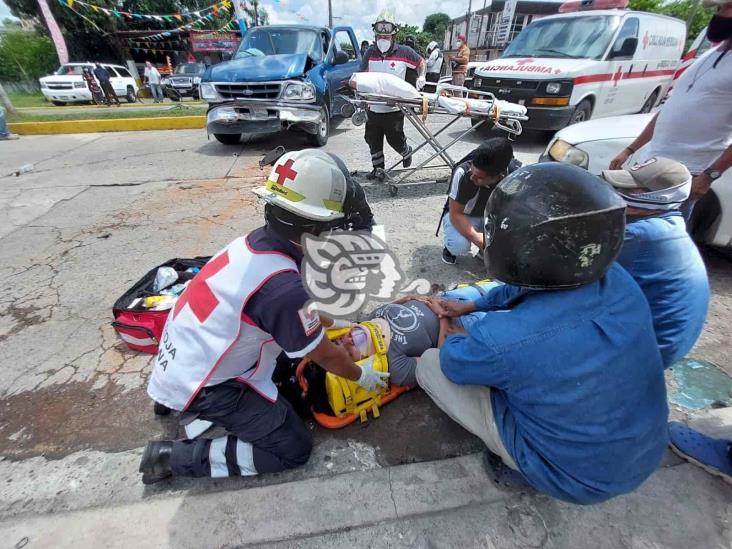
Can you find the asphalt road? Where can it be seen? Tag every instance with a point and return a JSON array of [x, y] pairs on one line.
[[99, 210]]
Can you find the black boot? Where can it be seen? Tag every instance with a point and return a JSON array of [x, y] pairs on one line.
[[155, 464], [407, 158], [375, 174]]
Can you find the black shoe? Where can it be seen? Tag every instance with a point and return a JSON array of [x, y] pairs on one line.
[[478, 257], [373, 175], [155, 463], [407, 158], [502, 474], [447, 257]]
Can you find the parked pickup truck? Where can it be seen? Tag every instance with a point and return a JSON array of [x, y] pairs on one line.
[[281, 77]]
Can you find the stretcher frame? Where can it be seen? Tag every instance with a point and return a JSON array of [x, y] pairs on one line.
[[413, 110]]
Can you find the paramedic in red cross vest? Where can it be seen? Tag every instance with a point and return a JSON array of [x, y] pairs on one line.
[[247, 305], [392, 58]]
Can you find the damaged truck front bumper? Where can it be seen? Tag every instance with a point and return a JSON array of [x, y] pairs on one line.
[[258, 117]]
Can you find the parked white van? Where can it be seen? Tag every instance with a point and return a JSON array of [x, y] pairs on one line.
[[571, 67], [67, 84]]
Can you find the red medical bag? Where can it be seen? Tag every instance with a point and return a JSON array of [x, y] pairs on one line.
[[139, 327]]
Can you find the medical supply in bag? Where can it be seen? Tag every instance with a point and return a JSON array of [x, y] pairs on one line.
[[141, 327]]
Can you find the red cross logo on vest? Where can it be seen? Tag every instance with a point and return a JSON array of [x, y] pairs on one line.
[[393, 64], [285, 172], [198, 295]]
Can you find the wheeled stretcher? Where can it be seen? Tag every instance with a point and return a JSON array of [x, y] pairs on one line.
[[456, 102]]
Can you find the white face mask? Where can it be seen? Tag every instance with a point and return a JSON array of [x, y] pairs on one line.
[[460, 43], [383, 45]]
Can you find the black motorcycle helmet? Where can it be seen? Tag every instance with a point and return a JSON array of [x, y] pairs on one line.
[[551, 226]]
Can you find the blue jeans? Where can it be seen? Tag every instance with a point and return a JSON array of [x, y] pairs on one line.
[[157, 92], [3, 127], [470, 293], [455, 242]]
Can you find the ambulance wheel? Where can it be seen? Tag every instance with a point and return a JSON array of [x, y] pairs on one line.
[[582, 112], [228, 138], [59, 103], [393, 190], [161, 409], [486, 127], [650, 103], [320, 137]]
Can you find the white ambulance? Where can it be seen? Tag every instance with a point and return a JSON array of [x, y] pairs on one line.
[[586, 63]]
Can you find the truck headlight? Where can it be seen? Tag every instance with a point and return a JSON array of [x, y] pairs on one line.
[[43, 85], [299, 91], [196, 80], [164, 81], [80, 84], [561, 151], [208, 92]]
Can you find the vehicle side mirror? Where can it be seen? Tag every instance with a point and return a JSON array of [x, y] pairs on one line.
[[340, 58], [627, 48]]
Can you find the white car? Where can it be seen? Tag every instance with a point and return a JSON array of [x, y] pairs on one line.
[[67, 84], [593, 144]]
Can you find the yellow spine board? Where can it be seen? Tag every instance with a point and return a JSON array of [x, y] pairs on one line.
[[348, 397]]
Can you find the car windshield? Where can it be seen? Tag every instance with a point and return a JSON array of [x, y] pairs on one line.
[[565, 37], [190, 68], [281, 41], [70, 70]]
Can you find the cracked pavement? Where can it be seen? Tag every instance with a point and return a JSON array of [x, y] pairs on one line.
[[100, 210]]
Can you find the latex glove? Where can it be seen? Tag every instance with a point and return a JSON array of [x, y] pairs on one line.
[[340, 323], [371, 379], [421, 81]]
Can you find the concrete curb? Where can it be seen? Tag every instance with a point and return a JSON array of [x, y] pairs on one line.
[[109, 125], [133, 106], [266, 514]]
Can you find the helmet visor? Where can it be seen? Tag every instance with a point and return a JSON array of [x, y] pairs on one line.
[[384, 27]]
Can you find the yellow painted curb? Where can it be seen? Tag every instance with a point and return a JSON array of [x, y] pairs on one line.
[[109, 125], [133, 106]]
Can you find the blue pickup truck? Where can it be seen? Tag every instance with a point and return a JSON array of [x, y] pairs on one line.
[[281, 77]]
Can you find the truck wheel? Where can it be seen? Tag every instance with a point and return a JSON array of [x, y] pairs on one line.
[[228, 138], [131, 96], [320, 137], [581, 113], [59, 103], [650, 103]]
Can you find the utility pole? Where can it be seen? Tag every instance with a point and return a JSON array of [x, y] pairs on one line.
[[467, 23], [330, 14]]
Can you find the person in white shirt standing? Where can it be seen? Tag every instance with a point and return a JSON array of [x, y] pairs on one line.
[[694, 126], [434, 62], [152, 78]]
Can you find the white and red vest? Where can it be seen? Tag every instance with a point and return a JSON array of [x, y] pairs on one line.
[[207, 340]]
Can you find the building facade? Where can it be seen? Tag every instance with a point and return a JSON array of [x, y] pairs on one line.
[[482, 36]]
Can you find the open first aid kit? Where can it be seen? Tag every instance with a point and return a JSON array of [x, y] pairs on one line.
[[140, 313]]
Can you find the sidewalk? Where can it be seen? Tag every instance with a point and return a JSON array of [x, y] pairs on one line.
[[447, 503]]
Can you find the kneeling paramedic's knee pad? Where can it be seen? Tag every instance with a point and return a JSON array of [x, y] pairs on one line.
[[346, 396]]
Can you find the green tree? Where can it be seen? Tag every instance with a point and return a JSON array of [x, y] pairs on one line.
[[681, 9], [436, 24], [93, 37], [421, 38], [25, 56]]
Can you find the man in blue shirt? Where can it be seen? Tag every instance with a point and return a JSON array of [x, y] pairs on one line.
[[562, 377], [659, 253]]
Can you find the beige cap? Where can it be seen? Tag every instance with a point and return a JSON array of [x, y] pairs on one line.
[[655, 174]]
